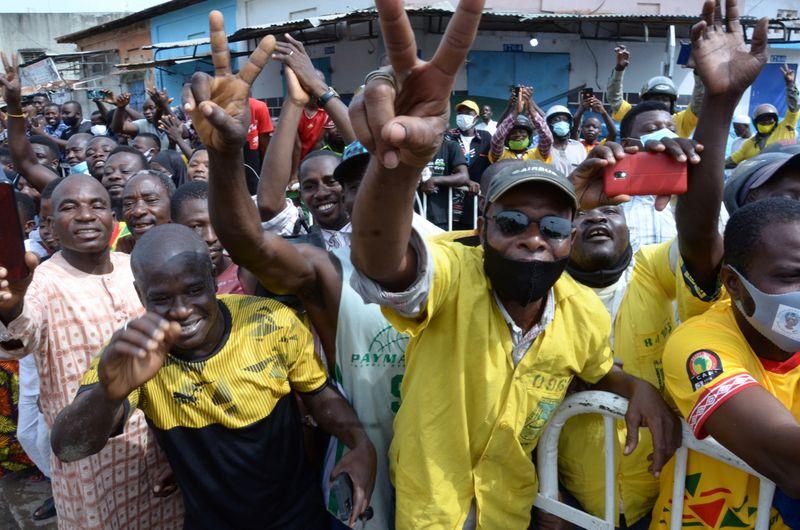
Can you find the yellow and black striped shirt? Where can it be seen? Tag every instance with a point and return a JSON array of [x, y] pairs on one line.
[[229, 423]]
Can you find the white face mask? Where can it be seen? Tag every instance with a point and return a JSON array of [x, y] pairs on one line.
[[776, 317], [465, 122], [99, 130], [657, 135]]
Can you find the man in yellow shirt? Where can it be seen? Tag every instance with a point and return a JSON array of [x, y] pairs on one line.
[[638, 290], [658, 88], [734, 373], [768, 129], [497, 332]]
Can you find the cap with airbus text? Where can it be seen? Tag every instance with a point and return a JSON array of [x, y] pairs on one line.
[[530, 171]]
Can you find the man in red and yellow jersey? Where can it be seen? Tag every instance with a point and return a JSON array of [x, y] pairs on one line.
[[734, 373]]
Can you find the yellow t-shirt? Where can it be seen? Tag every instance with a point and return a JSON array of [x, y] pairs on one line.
[[784, 132], [685, 121], [643, 322], [707, 360], [531, 154], [469, 419]]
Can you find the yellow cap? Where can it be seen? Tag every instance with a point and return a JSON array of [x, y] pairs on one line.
[[471, 105]]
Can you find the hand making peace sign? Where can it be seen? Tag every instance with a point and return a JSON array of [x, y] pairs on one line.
[[219, 105], [402, 113]]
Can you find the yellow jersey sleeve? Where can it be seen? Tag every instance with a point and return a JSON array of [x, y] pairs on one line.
[[789, 121], [748, 150], [304, 368], [685, 122], [445, 258], [702, 370], [621, 111], [595, 323]]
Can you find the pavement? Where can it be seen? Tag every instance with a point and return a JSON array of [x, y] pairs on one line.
[[19, 498]]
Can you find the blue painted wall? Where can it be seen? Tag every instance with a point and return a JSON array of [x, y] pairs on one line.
[[184, 24]]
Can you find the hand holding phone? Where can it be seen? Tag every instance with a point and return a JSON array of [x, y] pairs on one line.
[[646, 173], [342, 499]]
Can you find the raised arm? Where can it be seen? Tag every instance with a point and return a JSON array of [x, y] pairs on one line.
[[120, 123], [161, 100], [500, 134], [614, 88], [221, 122], [599, 108], [21, 151], [293, 54], [545, 135], [132, 357], [791, 90], [576, 120], [400, 118], [173, 127], [277, 168], [727, 69]]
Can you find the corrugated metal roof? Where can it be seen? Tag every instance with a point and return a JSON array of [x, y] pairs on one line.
[[133, 18]]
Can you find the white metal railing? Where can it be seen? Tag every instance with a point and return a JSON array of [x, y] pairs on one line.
[[422, 206], [612, 408]]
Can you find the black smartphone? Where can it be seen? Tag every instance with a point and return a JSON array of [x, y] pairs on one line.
[[12, 242], [96, 94], [342, 495], [587, 93]]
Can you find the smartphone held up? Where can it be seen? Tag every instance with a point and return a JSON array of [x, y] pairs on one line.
[[12, 242], [646, 173]]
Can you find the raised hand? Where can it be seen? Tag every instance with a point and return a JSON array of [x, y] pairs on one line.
[[219, 105], [172, 126], [587, 178], [123, 100], [294, 90], [160, 98], [721, 58], [402, 113], [623, 57], [788, 74], [12, 90], [293, 54], [135, 354]]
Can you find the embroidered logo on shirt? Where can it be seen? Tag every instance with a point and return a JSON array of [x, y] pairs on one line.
[[703, 366]]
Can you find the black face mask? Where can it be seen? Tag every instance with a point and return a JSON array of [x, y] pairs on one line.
[[522, 281]]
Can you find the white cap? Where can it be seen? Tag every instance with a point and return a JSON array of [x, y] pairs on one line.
[[741, 118]]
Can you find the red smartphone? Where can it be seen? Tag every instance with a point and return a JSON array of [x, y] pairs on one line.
[[646, 174], [12, 242]]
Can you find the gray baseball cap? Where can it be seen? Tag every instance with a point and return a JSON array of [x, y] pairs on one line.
[[757, 171], [530, 171]]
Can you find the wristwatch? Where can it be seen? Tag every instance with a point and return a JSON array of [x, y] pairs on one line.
[[326, 97]]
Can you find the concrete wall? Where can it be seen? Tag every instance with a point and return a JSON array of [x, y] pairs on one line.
[[39, 30]]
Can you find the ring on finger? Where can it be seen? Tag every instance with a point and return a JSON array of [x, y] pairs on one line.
[[291, 52], [381, 74]]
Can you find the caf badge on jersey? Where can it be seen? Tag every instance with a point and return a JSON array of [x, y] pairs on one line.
[[703, 366]]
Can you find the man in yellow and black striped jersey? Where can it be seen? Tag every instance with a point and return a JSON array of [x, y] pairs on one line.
[[215, 377]]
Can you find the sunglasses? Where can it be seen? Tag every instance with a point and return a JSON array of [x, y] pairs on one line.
[[511, 223]]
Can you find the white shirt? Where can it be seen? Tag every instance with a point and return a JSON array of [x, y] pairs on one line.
[[567, 159], [490, 127]]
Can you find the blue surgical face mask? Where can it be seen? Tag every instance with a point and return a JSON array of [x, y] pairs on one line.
[[776, 317], [82, 167], [657, 135], [561, 129], [465, 122]]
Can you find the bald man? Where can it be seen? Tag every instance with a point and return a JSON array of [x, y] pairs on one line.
[[234, 362], [75, 152], [62, 314]]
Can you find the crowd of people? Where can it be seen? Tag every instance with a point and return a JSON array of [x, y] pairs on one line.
[[226, 322]]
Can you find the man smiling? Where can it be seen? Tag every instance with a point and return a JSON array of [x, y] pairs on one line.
[[146, 201], [88, 288], [215, 379]]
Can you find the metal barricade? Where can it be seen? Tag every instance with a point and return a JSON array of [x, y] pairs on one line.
[[612, 408], [422, 206]]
